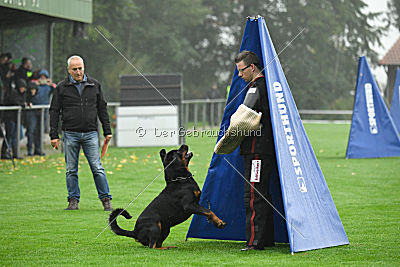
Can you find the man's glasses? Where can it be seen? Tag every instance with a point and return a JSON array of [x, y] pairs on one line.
[[76, 69], [241, 70]]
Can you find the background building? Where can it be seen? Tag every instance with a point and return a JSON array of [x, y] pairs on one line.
[[391, 61], [26, 27]]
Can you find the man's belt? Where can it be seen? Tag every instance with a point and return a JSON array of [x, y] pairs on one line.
[[243, 122]]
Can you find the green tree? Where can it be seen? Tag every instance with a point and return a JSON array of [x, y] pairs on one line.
[[321, 63], [200, 38], [394, 12], [155, 36]]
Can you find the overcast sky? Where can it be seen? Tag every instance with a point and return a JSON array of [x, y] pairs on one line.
[[387, 41]]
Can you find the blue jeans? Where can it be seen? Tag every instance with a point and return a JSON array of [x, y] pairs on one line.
[[90, 145], [33, 132]]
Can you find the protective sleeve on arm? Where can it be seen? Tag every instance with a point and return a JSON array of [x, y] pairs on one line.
[[252, 98]]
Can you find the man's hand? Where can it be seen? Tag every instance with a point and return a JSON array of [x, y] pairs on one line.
[[55, 143], [108, 137]]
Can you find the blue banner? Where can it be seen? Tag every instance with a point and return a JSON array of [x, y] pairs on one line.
[[298, 188], [312, 219], [373, 133], [223, 189]]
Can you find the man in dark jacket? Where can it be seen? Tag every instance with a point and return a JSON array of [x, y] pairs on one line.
[[24, 71], [259, 157], [14, 97], [79, 100], [6, 74]]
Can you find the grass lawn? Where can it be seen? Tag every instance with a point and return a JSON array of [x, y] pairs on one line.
[[35, 230]]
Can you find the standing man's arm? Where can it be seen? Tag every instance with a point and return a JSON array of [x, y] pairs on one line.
[[54, 112], [103, 115]]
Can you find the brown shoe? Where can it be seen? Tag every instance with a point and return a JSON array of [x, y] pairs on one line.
[[73, 204], [107, 204]]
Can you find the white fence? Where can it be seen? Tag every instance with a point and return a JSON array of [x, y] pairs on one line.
[[202, 113], [197, 113], [42, 108]]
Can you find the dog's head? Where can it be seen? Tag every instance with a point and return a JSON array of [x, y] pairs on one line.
[[177, 159]]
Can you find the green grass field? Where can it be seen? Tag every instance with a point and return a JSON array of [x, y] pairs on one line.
[[35, 229]]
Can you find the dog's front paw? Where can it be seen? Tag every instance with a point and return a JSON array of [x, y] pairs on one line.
[[220, 224]]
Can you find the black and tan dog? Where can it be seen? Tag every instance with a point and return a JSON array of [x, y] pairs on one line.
[[175, 204]]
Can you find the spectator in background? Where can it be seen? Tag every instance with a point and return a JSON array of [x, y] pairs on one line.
[[3, 60], [228, 89], [14, 97], [33, 121], [6, 74], [45, 89], [1, 95], [213, 93], [24, 71]]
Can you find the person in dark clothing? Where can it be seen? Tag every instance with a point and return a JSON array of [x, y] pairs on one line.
[[79, 100], [3, 73], [6, 74], [33, 122], [213, 93], [24, 71], [259, 157], [14, 97], [2, 89]]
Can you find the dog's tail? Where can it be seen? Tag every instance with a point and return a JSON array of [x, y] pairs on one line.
[[114, 226]]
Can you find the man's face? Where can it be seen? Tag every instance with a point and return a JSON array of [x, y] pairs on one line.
[[76, 69], [245, 71], [28, 65]]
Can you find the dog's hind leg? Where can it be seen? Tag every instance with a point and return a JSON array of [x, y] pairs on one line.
[[154, 235], [164, 234]]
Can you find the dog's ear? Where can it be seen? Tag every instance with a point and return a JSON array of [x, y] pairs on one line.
[[183, 148], [162, 154]]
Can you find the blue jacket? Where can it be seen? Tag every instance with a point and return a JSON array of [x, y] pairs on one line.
[[43, 95]]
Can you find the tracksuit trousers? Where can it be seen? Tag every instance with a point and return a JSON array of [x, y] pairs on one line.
[[259, 214]]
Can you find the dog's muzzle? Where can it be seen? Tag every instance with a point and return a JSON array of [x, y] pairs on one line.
[[189, 155]]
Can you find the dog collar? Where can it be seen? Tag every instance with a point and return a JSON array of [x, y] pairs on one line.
[[179, 179]]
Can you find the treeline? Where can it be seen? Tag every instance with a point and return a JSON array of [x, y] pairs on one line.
[[200, 38]]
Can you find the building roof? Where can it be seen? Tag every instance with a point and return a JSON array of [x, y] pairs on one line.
[[13, 12], [392, 57]]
